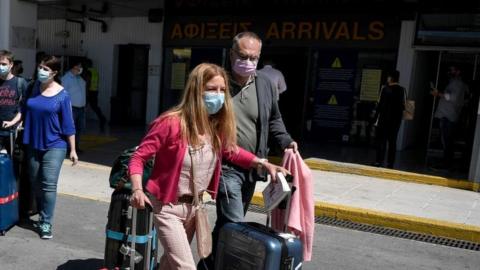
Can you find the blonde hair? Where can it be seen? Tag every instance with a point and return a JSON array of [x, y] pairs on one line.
[[194, 118]]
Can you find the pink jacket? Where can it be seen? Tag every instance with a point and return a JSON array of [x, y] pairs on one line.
[[301, 220], [165, 142]]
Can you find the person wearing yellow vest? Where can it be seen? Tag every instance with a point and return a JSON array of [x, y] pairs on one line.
[[92, 79]]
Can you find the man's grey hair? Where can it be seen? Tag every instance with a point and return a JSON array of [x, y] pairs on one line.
[[245, 34]]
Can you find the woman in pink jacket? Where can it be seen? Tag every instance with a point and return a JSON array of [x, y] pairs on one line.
[[200, 129]]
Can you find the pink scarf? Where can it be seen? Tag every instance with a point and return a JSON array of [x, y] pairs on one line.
[[301, 220]]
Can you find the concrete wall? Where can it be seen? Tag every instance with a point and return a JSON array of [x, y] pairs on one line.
[[61, 38], [405, 63], [18, 26], [5, 24]]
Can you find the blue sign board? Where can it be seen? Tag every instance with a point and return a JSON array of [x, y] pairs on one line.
[[334, 91]]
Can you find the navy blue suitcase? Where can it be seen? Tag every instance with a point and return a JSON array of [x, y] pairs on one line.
[[8, 194], [250, 245]]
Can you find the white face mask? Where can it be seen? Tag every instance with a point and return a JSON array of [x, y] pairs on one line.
[[213, 101], [4, 70], [80, 70], [43, 75]]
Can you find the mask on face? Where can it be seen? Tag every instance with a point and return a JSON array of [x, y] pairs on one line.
[[244, 68], [80, 70], [213, 101], [4, 69], [43, 75]]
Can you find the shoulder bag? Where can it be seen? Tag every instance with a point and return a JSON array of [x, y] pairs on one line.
[[202, 225]]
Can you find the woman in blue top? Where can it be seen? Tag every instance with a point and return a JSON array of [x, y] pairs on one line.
[[49, 128]]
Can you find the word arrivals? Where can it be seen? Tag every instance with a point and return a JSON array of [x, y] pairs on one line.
[[287, 30]]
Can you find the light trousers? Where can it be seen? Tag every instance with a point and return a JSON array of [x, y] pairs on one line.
[[175, 224]]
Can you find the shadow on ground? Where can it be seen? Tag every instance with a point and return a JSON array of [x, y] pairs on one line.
[[88, 264]]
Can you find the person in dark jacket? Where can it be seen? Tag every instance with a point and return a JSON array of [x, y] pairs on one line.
[[389, 117], [12, 89], [258, 116]]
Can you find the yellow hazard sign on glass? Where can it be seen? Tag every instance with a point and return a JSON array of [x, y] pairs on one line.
[[332, 100], [337, 63]]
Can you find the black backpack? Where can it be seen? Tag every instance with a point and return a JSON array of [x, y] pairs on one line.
[[119, 177]]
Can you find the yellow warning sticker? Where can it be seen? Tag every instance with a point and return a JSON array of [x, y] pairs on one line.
[[332, 100], [337, 63]]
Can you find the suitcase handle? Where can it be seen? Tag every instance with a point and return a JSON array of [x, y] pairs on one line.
[[261, 227]]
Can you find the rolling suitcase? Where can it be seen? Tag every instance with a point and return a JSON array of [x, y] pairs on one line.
[[8, 191], [131, 240], [254, 246]]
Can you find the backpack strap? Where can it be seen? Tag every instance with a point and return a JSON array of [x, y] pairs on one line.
[[20, 85]]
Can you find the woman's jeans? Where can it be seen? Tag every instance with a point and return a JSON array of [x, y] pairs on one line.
[[44, 168]]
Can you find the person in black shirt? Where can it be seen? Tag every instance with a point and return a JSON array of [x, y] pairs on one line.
[[388, 118], [11, 91]]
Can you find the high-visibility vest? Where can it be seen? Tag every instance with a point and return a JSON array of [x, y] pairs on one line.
[[93, 79]]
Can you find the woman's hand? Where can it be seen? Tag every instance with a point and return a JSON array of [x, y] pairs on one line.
[[73, 157], [274, 169], [271, 168], [7, 124], [138, 199]]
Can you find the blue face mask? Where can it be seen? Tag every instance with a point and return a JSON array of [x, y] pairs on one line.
[[43, 75], [213, 101], [4, 69]]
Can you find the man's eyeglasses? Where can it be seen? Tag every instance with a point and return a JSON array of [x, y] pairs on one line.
[[244, 57]]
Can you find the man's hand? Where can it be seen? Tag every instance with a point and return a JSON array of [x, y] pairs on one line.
[[294, 146]]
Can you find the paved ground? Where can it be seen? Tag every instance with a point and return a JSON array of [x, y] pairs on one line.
[[389, 196], [80, 221], [425, 201], [78, 244]]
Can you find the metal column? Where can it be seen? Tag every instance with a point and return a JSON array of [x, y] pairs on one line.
[[440, 54]]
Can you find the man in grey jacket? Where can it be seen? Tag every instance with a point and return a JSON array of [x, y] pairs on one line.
[[257, 115]]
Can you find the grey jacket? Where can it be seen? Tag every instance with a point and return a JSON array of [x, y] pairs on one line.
[[270, 119]]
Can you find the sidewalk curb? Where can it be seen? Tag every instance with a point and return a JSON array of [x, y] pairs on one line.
[[391, 220], [81, 196], [386, 174], [88, 165]]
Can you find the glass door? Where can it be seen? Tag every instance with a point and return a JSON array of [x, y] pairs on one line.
[[464, 128]]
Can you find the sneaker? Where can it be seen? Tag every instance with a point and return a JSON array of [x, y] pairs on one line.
[[46, 231], [36, 224]]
